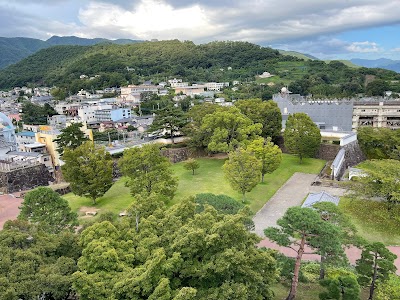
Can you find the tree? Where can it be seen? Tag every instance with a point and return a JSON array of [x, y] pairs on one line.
[[301, 227], [227, 129], [266, 113], [148, 171], [71, 137], [270, 155], [243, 171], [46, 207], [198, 138], [191, 164], [389, 289], [341, 288], [36, 264], [171, 119], [302, 136], [36, 114], [331, 213], [381, 180], [177, 252], [375, 265], [88, 169], [379, 143]]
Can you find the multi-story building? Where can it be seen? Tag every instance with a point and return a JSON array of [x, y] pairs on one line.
[[216, 86], [106, 115], [378, 113]]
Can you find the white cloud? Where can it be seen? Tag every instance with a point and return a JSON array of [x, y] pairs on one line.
[[363, 47], [149, 19]]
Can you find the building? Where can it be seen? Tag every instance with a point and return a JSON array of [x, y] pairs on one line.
[[191, 90], [376, 113], [106, 115], [328, 114], [323, 196], [25, 137], [216, 86]]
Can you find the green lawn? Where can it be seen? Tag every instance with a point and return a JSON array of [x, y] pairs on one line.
[[373, 221], [115, 200], [305, 291], [209, 178]]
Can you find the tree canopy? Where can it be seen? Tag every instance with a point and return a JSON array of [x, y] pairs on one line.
[[176, 254], [270, 155], [171, 119], [266, 113], [302, 136], [47, 208], [88, 169], [381, 180], [379, 143], [70, 137], [300, 227], [243, 171], [227, 129], [375, 265], [148, 171], [36, 114]]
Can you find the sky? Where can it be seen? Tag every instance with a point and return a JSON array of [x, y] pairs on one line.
[[327, 29]]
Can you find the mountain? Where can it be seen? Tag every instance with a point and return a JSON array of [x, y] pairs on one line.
[[14, 49], [346, 62], [383, 63], [107, 65], [298, 55]]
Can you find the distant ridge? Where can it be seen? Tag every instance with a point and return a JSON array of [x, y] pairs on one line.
[[383, 63], [15, 49]]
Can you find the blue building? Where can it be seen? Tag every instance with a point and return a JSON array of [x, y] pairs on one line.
[[113, 115]]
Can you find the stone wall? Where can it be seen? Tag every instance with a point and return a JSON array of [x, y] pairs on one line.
[[176, 155], [24, 179], [353, 155], [327, 151]]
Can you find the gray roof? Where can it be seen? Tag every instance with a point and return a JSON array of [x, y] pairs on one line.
[[320, 197]]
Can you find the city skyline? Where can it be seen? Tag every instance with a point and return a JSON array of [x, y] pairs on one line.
[[326, 29]]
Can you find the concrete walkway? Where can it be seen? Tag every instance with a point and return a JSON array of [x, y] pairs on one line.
[[292, 193]]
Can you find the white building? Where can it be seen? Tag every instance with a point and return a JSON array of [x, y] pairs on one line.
[[216, 86]]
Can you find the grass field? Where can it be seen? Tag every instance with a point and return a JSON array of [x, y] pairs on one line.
[[373, 221], [305, 291], [117, 199], [209, 178]]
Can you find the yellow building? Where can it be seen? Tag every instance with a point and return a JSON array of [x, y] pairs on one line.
[[47, 136]]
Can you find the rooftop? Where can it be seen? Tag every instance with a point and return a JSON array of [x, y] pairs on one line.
[[319, 197]]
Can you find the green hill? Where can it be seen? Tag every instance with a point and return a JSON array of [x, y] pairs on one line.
[[157, 61], [298, 55], [346, 62], [15, 49]]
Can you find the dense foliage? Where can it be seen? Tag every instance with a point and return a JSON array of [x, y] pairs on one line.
[[89, 170], [302, 136], [176, 253], [216, 61], [379, 143], [149, 172], [36, 114], [47, 208]]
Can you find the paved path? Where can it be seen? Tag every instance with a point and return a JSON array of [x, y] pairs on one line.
[[292, 193]]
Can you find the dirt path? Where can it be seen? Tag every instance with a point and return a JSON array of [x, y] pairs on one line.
[[9, 208]]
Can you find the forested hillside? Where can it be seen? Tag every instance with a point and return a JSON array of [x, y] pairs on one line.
[[14, 49], [216, 61]]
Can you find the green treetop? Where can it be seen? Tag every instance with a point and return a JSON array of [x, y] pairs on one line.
[[302, 136], [89, 170]]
